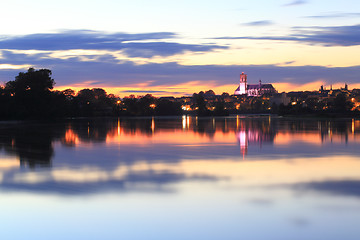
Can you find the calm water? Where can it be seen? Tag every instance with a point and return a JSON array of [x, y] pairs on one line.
[[181, 178]]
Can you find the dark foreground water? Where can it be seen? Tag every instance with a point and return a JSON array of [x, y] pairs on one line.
[[180, 178]]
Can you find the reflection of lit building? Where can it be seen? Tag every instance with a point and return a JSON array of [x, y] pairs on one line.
[[250, 134], [243, 142]]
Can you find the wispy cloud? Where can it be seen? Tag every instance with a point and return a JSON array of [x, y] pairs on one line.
[[334, 15], [295, 3], [348, 188], [77, 39], [112, 73], [135, 45], [144, 91], [150, 49], [259, 23], [325, 36]]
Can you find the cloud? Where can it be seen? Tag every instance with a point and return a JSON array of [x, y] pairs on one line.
[[77, 39], [259, 23], [335, 187], [109, 72], [153, 92], [148, 50], [142, 181], [135, 45], [138, 91], [334, 15], [325, 36], [296, 3]]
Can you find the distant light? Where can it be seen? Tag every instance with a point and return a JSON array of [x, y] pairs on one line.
[[118, 102], [152, 106], [185, 107], [293, 103]]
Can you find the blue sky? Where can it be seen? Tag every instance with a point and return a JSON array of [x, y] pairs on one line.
[[176, 48]]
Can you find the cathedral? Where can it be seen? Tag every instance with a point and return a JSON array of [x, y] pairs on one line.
[[253, 90]]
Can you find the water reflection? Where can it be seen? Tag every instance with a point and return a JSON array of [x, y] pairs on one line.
[[290, 178], [91, 155], [33, 143], [333, 187]]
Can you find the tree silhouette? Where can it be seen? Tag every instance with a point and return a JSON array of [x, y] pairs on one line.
[[29, 95], [341, 103], [31, 82]]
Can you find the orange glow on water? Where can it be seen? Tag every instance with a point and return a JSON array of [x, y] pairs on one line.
[[200, 146], [71, 138]]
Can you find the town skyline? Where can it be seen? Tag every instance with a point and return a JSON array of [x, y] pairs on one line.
[[141, 47]]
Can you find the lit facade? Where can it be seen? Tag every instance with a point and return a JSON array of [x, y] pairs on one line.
[[253, 90], [242, 89]]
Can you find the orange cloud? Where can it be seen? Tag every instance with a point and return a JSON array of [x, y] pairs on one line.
[[176, 90]]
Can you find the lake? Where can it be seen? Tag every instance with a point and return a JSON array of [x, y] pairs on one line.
[[239, 177]]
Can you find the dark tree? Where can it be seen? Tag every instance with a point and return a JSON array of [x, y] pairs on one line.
[[165, 107], [130, 106], [69, 93], [341, 103], [146, 105], [99, 93], [220, 109], [29, 95], [210, 92], [32, 82], [94, 102], [200, 104]]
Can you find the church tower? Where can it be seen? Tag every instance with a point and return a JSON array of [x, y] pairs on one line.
[[242, 89], [243, 84]]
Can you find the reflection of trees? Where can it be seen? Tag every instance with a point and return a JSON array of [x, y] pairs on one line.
[[143, 126], [326, 128], [92, 130], [33, 143], [206, 127], [329, 129]]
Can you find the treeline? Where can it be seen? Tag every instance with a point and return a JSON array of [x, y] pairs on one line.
[[30, 96]]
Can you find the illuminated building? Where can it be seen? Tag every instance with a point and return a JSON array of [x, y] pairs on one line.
[[254, 90], [242, 89]]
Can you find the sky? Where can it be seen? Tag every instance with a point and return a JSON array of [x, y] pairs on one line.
[[178, 48]]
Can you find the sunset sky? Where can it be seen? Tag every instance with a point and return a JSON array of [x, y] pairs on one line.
[[177, 48]]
